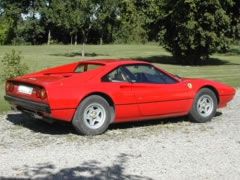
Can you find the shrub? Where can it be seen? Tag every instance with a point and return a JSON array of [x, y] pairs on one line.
[[12, 65], [193, 30]]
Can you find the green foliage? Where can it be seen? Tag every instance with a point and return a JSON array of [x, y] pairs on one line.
[[130, 24], [30, 30], [81, 17], [4, 31], [235, 17], [152, 12], [194, 29], [12, 11], [12, 65], [105, 19], [190, 29]]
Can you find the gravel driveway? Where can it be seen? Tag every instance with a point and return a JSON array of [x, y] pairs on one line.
[[173, 148]]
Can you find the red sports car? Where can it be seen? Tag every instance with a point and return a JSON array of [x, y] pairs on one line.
[[93, 94]]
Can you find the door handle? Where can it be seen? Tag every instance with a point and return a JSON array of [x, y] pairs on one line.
[[125, 86]]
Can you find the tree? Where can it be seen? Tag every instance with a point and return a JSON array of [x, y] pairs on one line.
[[4, 30], [54, 16], [30, 27], [46, 11], [76, 16], [233, 10], [31, 30], [82, 19], [152, 12], [194, 29], [105, 17], [12, 11], [129, 27], [190, 29]]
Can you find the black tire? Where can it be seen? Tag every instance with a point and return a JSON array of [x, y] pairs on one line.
[[85, 115], [199, 113]]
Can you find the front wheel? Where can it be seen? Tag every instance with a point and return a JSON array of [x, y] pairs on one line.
[[204, 106], [93, 116]]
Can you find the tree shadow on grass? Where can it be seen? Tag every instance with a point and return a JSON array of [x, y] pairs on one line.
[[232, 52], [170, 60], [74, 54], [86, 170]]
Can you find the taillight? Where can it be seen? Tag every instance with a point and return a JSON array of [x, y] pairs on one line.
[[9, 87], [41, 93]]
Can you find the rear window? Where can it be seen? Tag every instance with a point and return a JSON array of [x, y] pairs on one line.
[[87, 67]]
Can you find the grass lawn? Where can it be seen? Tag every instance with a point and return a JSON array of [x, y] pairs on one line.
[[222, 67]]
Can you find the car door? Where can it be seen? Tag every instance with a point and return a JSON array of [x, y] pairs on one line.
[[158, 93], [120, 89]]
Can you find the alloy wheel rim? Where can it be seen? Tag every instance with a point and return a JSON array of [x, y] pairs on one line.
[[94, 116], [205, 105]]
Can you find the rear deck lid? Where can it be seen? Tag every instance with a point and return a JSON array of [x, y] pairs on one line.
[[45, 78]]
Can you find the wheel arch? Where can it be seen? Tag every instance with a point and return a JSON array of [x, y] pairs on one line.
[[107, 98], [214, 90]]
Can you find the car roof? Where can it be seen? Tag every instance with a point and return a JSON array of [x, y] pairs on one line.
[[114, 61]]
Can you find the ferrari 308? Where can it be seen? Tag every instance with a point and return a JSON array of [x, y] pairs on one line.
[[95, 93]]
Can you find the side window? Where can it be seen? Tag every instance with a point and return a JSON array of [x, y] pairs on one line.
[[116, 75], [148, 74], [93, 66], [80, 68], [86, 67]]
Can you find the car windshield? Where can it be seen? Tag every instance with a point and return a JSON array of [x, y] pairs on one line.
[[147, 74], [138, 73], [87, 67]]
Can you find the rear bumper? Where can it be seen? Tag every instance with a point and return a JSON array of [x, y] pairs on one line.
[[40, 110], [27, 104]]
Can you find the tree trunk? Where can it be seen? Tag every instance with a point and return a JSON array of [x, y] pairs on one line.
[[76, 37], [83, 49], [49, 37], [71, 40], [84, 40], [101, 39]]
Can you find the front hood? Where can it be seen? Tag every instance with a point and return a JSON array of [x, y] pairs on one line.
[[221, 88]]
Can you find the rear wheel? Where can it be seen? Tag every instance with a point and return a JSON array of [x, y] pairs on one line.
[[204, 107], [93, 116]]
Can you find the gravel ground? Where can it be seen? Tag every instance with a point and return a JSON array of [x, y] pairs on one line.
[[173, 148]]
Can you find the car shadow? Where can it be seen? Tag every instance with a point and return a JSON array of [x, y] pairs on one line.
[[154, 122], [218, 113], [151, 122], [63, 128], [36, 125]]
